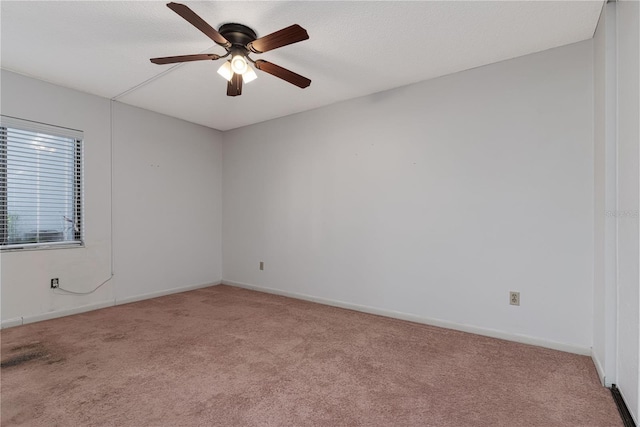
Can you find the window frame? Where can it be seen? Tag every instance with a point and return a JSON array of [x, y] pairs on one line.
[[76, 197]]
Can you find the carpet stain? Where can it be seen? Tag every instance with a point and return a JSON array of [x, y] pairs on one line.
[[25, 353], [180, 312], [54, 361], [27, 346], [114, 337], [91, 366]]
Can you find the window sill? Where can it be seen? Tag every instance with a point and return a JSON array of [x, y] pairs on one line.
[[42, 247]]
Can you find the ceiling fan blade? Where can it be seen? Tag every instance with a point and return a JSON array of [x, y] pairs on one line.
[[282, 73], [185, 58], [234, 87], [293, 34], [199, 23]]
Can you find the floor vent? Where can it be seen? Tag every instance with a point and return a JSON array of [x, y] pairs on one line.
[[622, 407]]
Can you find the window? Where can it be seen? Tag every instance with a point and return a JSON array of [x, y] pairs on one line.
[[40, 185]]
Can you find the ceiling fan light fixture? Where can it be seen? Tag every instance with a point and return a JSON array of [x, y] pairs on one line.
[[240, 41], [225, 71], [239, 63], [249, 75]]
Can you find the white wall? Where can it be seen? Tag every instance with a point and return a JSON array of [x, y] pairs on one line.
[[167, 207], [433, 200], [628, 21], [162, 168], [605, 196], [25, 279]]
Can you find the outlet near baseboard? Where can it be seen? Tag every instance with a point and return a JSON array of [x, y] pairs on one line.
[[514, 298]]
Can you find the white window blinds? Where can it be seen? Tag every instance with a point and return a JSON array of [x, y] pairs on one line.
[[40, 185]]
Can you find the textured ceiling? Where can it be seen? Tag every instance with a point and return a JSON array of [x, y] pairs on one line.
[[355, 48]]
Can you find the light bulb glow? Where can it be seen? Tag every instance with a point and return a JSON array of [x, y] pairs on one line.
[[225, 71], [249, 75], [238, 64]]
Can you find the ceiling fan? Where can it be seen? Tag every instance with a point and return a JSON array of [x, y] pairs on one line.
[[239, 41]]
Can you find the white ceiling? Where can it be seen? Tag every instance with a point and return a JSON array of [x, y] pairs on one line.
[[355, 48]]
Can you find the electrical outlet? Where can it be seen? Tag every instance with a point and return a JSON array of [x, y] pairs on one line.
[[55, 283], [261, 265], [514, 298]]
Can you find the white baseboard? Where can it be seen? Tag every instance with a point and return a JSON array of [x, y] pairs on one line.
[[89, 307], [65, 312], [599, 369], [525, 339], [10, 323], [164, 292], [362, 308]]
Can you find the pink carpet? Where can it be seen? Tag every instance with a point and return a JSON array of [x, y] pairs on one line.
[[223, 356]]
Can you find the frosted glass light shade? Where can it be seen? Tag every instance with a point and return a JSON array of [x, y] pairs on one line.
[[225, 71], [249, 75], [238, 64]]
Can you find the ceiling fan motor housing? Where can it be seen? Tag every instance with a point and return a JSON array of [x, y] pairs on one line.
[[238, 35]]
